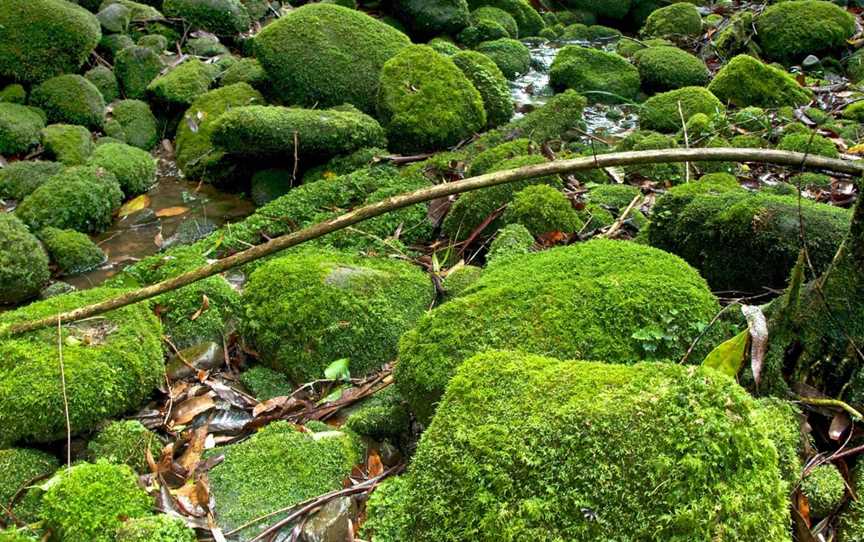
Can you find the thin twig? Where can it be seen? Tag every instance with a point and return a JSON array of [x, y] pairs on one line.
[[65, 397], [686, 142], [620, 220], [820, 401]]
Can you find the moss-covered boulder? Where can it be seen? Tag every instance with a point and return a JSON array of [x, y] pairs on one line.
[[246, 70], [135, 67], [607, 9], [71, 251], [184, 83], [221, 17], [824, 488], [40, 39], [511, 240], [789, 31], [511, 56], [600, 76], [490, 82], [745, 81], [497, 16], [534, 448], [326, 55], [70, 99], [158, 528], [13, 93], [529, 21], [19, 179], [809, 143], [607, 300], [23, 467], [189, 320], [543, 209], [132, 122], [125, 443], [668, 68], [88, 502], [426, 102], [681, 20], [19, 128], [23, 262], [81, 198], [276, 468], [556, 119], [663, 112], [103, 78], [68, 144], [303, 311], [265, 383], [134, 168], [429, 18]]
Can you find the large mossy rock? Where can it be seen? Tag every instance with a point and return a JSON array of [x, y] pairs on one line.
[[533, 448], [305, 310], [21, 467], [789, 31], [135, 67], [111, 364], [23, 262], [20, 128], [40, 39], [184, 83], [745, 81], [326, 55], [490, 82], [134, 168], [158, 528], [132, 122], [426, 102], [668, 68], [678, 20], [607, 9], [430, 18], [221, 17], [528, 20], [608, 300], [663, 112], [601, 76], [19, 179]]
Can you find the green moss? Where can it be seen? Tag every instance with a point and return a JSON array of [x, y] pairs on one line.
[[17, 535], [156, 42], [789, 31], [303, 311], [543, 209], [103, 78], [71, 251], [460, 278], [481, 31], [824, 488], [676, 20], [115, 18], [611, 9], [20, 179], [180, 306], [265, 383], [745, 81], [810, 143], [112, 44], [602, 76], [182, 84], [854, 111], [511, 56], [813, 181], [246, 70], [645, 141], [23, 262], [490, 82], [68, 144], [23, 467], [326, 55], [41, 39], [278, 467], [140, 11], [486, 160], [629, 47], [70, 99], [158, 528], [125, 443], [497, 16], [426, 102], [669, 68], [134, 168], [608, 300], [221, 17], [663, 112], [382, 416], [613, 196], [752, 119], [81, 198], [511, 240], [530, 22], [88, 502], [554, 120], [429, 18], [135, 67], [444, 46], [132, 121], [19, 128], [13, 93]]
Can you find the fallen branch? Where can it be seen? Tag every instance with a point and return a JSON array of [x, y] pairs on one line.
[[784, 158]]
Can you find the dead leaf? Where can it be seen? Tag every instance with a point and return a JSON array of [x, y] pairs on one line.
[[134, 205], [374, 466], [758, 326], [157, 240], [276, 403], [205, 304], [839, 424], [186, 411], [172, 211], [197, 444]]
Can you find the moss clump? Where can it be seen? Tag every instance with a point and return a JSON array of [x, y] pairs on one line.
[[809, 143], [132, 121], [125, 443], [602, 76], [183, 84], [497, 16], [13, 93], [19, 128], [19, 179], [663, 112], [135, 67], [303, 311], [265, 383], [180, 306], [789, 31], [488, 159], [258, 130], [68, 144], [647, 140], [554, 120], [459, 278], [511, 56], [103, 78], [608, 300], [511, 240], [824, 488], [221, 17], [134, 168], [327, 55], [81, 198], [196, 153], [607, 436], [428, 18], [668, 68], [530, 22], [71, 251], [88, 502], [277, 467], [490, 82], [112, 44], [613, 196], [745, 81], [269, 184], [481, 31], [23, 467], [23, 262], [156, 42], [158, 528], [246, 70], [44, 38], [70, 99], [382, 416], [543, 209], [426, 102], [680, 19], [854, 111]]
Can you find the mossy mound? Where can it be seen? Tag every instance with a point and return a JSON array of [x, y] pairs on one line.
[[111, 365], [23, 262], [543, 209], [601, 76], [429, 18], [23, 467], [189, 320], [669, 68], [265, 383], [303, 311], [490, 82], [554, 120], [135, 67], [511, 56], [809, 143], [158, 528], [646, 140], [221, 17], [745, 81], [125, 443], [497, 16], [608, 300], [681, 19], [327, 55], [69, 144], [184, 83], [613, 196], [426, 102], [278, 467], [459, 278], [19, 128], [538, 449], [383, 416], [40, 39], [480, 31], [103, 78], [246, 70], [134, 168], [81, 198], [607, 9], [511, 240], [789, 31], [88, 502], [70, 99], [663, 112], [484, 161], [824, 488], [71, 251], [132, 122], [19, 179], [527, 18], [13, 93]]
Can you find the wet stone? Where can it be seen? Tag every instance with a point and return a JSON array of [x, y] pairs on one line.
[[331, 523], [204, 356]]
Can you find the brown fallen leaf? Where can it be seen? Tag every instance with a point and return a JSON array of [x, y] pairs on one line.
[[205, 304], [171, 211], [186, 411], [197, 444], [134, 205], [374, 466]]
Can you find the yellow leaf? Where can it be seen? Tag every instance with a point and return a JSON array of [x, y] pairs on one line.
[[729, 356], [134, 205], [171, 211], [857, 149]]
